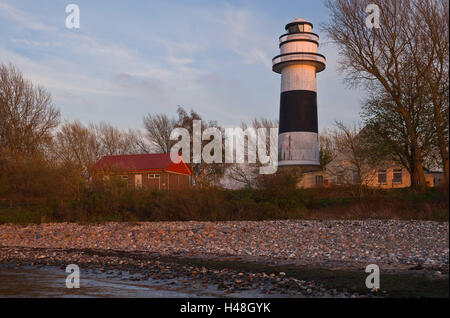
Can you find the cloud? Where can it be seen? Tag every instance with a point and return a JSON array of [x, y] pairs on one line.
[[175, 47], [33, 43], [23, 19], [128, 81], [54, 75], [89, 45], [245, 34], [214, 79]]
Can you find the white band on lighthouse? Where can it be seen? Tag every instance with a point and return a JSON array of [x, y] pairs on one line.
[[298, 77], [305, 152]]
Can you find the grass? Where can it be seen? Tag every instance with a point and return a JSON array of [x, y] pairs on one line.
[[126, 205]]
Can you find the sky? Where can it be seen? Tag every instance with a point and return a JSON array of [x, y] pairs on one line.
[[130, 58]]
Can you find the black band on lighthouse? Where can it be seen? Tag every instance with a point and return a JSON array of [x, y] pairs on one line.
[[298, 111]]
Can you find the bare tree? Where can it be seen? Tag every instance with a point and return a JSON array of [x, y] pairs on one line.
[[432, 61], [115, 141], [204, 174], [327, 151], [384, 59], [110, 138], [27, 114], [356, 154], [247, 174], [139, 141], [77, 144], [158, 128], [385, 127]]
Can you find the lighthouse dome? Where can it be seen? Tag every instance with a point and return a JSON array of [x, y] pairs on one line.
[[299, 25], [300, 20]]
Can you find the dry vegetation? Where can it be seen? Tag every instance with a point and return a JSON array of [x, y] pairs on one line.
[[115, 202]]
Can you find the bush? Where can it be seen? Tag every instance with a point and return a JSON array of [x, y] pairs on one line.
[[114, 201]]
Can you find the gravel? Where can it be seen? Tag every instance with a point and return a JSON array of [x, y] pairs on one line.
[[390, 242]]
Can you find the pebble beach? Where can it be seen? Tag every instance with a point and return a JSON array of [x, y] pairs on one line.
[[393, 245], [383, 241]]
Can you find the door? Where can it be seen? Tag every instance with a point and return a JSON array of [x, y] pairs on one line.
[[164, 182], [138, 180]]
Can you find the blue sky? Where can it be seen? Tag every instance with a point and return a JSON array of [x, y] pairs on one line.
[[130, 58]]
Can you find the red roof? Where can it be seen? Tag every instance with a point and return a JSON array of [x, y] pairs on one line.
[[142, 162]]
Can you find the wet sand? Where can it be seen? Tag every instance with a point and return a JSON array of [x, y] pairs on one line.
[[140, 274]]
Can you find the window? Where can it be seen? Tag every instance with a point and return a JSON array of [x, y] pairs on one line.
[[398, 177], [382, 177], [296, 28], [319, 180], [154, 176], [340, 179], [124, 177]]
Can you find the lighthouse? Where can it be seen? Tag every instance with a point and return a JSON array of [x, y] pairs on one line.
[[298, 64]]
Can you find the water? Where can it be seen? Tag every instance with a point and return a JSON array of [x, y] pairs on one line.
[[50, 281]]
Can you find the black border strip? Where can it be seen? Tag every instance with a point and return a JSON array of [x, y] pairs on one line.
[[299, 40], [292, 53], [278, 306], [299, 33]]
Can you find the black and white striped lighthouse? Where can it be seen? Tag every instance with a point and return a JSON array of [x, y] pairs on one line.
[[298, 63]]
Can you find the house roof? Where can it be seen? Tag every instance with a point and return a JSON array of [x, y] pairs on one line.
[[142, 162]]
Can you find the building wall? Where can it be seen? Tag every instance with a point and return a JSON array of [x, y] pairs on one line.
[[438, 178], [406, 179], [157, 179], [373, 180], [178, 181], [309, 180]]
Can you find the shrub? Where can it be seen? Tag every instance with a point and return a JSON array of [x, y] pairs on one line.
[[116, 202]]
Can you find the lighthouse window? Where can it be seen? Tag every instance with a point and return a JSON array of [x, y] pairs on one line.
[[297, 28]]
